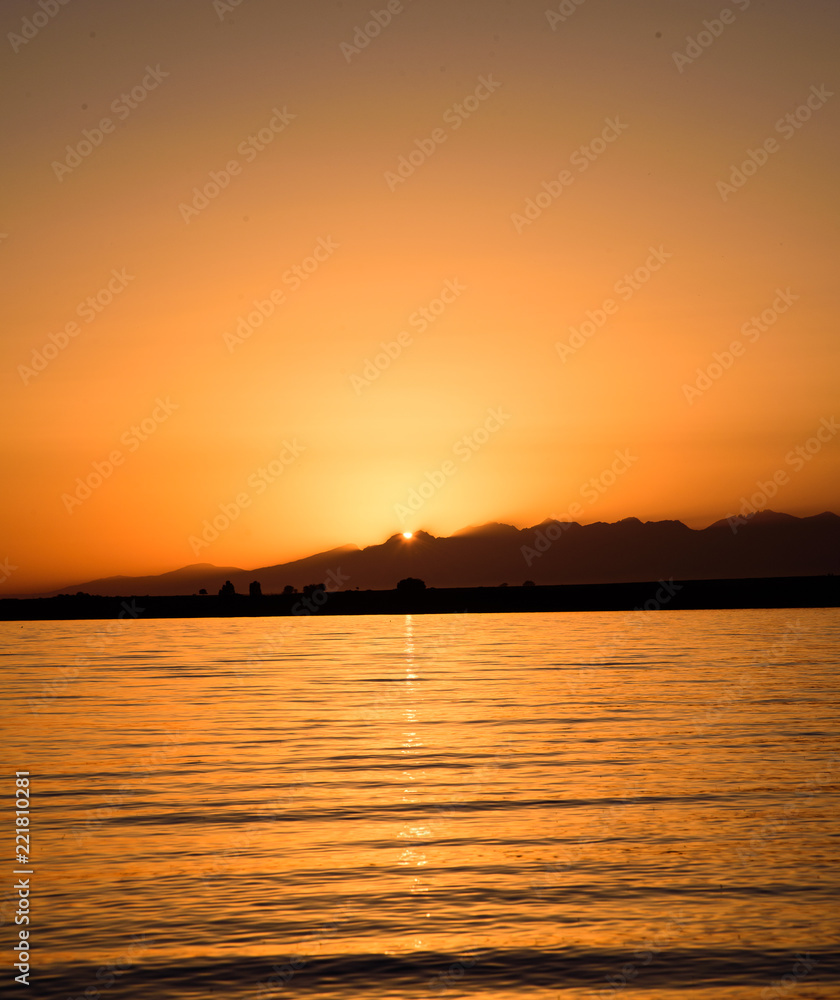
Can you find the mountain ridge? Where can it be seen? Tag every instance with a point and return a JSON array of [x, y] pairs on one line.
[[763, 544]]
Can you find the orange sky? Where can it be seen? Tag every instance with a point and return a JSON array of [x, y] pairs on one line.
[[543, 160]]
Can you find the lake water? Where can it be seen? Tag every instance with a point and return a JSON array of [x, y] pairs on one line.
[[487, 806]]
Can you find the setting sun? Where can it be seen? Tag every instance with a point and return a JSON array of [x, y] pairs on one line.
[[408, 534]]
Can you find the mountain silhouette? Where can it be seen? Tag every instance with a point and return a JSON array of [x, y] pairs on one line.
[[765, 544]]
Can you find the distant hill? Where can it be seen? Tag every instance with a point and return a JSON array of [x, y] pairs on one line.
[[766, 544], [178, 581]]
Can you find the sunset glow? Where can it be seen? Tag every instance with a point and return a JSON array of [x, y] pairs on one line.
[[420, 523], [265, 277]]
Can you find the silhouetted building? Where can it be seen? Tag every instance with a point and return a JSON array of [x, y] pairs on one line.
[[255, 590]]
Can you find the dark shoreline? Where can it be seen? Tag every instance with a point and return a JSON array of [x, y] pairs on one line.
[[680, 595]]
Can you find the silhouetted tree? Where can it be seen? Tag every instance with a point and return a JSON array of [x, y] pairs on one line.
[[411, 583], [529, 583], [311, 588], [255, 590], [203, 592], [289, 589], [227, 590]]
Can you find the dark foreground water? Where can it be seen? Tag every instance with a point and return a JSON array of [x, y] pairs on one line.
[[492, 806]]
